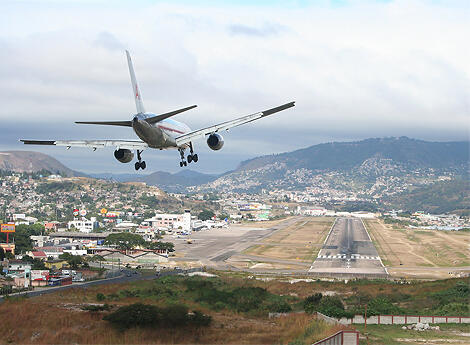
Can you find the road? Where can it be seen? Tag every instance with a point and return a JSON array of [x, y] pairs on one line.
[[126, 276], [348, 250]]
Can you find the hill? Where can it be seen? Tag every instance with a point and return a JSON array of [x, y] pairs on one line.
[[172, 183], [404, 151], [29, 161], [371, 171]]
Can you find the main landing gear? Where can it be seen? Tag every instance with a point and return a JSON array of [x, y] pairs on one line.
[[192, 157], [140, 164]]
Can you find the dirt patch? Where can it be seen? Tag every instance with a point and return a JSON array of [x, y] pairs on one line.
[[420, 253], [299, 242]]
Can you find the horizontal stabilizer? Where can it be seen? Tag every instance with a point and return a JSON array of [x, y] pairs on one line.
[[161, 117], [108, 123], [38, 142], [277, 109]]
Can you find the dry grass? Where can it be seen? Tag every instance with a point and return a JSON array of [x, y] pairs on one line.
[[413, 252], [300, 241], [36, 321]]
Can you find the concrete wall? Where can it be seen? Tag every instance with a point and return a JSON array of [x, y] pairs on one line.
[[404, 319], [341, 338]]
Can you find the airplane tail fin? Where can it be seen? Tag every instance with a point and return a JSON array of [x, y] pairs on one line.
[[139, 104]]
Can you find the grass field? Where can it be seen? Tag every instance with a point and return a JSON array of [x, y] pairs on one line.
[[58, 317], [394, 335], [419, 253], [298, 242]]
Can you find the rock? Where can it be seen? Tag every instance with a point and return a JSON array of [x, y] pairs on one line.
[[404, 327]]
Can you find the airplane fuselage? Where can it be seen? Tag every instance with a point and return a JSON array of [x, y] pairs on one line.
[[160, 135]]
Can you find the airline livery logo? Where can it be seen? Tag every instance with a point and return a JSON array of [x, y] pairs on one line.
[[136, 92]]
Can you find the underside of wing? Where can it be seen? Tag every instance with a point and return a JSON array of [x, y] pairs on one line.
[[94, 144], [201, 133], [108, 123]]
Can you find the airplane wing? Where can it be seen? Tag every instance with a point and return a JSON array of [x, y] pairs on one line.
[[94, 144], [201, 133]]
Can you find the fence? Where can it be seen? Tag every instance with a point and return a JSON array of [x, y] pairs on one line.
[[345, 337], [403, 319]]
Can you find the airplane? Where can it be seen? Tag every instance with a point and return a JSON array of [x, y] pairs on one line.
[[158, 131]]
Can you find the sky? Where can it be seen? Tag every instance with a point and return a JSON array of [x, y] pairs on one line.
[[356, 69]]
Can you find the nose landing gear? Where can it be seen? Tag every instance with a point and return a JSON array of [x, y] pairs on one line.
[[140, 164]]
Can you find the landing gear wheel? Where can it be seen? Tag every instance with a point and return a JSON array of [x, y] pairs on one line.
[[181, 164], [194, 158], [190, 158], [185, 164], [143, 165], [137, 165]]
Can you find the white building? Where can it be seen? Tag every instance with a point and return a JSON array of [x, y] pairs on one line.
[[83, 225], [171, 221]]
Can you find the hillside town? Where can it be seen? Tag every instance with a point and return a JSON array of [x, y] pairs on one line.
[[58, 230]]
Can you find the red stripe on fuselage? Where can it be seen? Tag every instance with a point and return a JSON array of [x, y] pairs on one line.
[[170, 129]]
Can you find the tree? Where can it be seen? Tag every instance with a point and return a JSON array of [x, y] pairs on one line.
[[23, 242], [73, 260], [224, 216], [125, 240], [161, 246], [206, 214]]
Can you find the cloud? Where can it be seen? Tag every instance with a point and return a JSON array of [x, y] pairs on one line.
[[265, 30], [109, 41], [363, 69]]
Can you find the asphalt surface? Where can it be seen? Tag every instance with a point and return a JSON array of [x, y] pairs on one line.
[[349, 250], [213, 247], [126, 276]]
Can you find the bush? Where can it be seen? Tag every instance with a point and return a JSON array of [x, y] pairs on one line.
[[279, 306], [382, 306], [198, 319], [175, 315], [94, 307], [134, 315], [312, 302], [100, 297], [142, 315]]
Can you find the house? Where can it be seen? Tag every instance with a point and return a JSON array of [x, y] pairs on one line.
[[39, 255], [55, 264], [135, 257], [14, 266]]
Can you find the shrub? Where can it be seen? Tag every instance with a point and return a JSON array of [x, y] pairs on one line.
[[198, 319], [100, 296], [382, 306], [93, 307], [175, 315], [279, 306], [133, 315], [311, 303], [142, 315]]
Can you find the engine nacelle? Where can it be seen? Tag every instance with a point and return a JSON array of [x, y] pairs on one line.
[[124, 155], [215, 141]]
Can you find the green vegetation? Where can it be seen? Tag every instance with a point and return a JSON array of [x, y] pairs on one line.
[[125, 240], [440, 197], [206, 215], [144, 315], [212, 293], [22, 235], [73, 260], [328, 305], [392, 334]]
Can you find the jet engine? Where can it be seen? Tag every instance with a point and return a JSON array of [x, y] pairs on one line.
[[124, 155], [215, 141]]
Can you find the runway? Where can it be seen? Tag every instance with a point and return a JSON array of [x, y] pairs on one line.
[[348, 251]]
